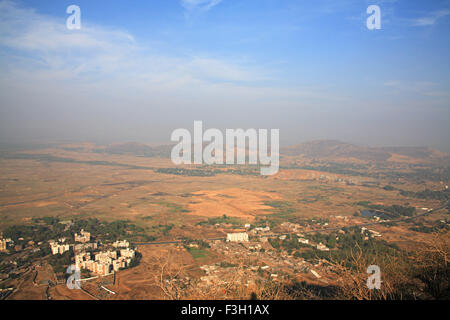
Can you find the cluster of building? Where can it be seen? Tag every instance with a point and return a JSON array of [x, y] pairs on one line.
[[83, 237], [301, 239], [259, 264], [103, 263], [260, 229], [338, 179], [320, 246], [281, 262], [255, 247], [218, 276], [292, 227], [369, 233], [61, 246]]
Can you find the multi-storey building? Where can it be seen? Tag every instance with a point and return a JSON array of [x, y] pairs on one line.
[[121, 244], [127, 253], [102, 263], [102, 268], [83, 236], [85, 246], [59, 248], [82, 259], [3, 245], [237, 237]]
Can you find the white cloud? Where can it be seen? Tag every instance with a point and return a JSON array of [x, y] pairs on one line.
[[430, 19], [199, 5], [23, 28], [45, 44], [49, 64]]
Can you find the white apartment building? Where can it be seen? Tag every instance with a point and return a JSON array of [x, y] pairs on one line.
[[59, 248], [105, 262], [121, 244], [127, 253], [237, 237]]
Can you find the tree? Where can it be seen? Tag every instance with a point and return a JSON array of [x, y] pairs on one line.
[[432, 268]]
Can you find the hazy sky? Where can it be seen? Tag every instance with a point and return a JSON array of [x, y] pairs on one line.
[[137, 70]]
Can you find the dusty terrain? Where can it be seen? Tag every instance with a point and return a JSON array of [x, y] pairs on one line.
[[75, 182], [233, 202]]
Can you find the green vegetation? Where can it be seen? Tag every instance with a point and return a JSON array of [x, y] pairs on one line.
[[289, 244], [37, 233], [174, 208], [341, 246], [420, 173], [389, 224], [394, 211], [163, 228], [346, 244], [413, 172], [337, 168], [222, 220], [225, 264], [60, 262], [210, 171], [244, 171], [187, 172], [284, 211], [313, 199], [436, 227], [278, 204], [427, 194], [52, 229], [46, 220], [198, 253], [199, 243], [111, 231]]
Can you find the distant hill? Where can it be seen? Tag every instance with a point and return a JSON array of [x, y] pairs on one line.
[[319, 149], [322, 149], [414, 152], [137, 149], [333, 149]]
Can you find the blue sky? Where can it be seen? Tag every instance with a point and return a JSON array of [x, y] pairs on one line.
[[139, 69]]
